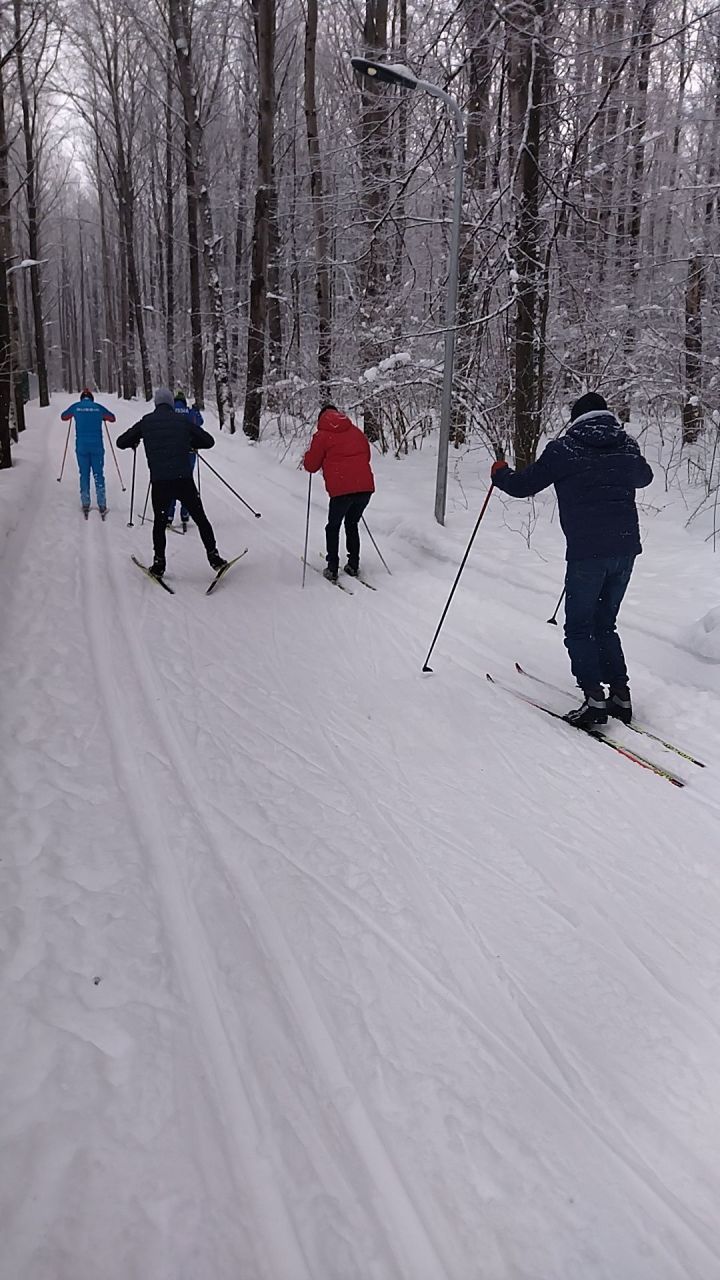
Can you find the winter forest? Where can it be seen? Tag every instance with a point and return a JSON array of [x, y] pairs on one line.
[[207, 195]]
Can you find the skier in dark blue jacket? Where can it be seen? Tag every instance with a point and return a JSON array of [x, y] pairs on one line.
[[194, 414], [89, 445], [168, 438], [596, 469]]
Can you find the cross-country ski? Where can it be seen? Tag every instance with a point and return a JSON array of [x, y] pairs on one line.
[[223, 570]]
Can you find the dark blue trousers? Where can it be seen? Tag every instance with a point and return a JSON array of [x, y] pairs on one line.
[[348, 508], [595, 590]]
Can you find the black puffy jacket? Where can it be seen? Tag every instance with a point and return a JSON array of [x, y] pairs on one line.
[[596, 469], [168, 438]]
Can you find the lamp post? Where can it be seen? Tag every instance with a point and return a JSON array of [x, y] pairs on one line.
[[397, 73]]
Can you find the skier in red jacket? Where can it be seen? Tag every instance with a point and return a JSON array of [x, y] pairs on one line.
[[342, 451]]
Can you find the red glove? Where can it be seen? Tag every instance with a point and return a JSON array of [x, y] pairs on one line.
[[497, 467]]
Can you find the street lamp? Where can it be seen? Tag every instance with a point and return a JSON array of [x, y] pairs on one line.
[[398, 73]]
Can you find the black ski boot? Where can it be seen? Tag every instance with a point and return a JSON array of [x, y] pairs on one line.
[[330, 574], [352, 570], [157, 568], [216, 561], [619, 704], [86, 511], [592, 713], [184, 526]]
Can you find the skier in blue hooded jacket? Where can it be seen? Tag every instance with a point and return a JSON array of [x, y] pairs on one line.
[[89, 445], [195, 416], [596, 469]]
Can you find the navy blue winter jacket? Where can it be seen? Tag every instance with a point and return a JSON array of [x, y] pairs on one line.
[[168, 438], [596, 468]]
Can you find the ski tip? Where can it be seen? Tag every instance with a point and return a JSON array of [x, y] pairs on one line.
[[489, 677], [519, 669]]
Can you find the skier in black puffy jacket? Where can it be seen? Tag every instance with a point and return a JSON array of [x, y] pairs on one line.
[[168, 438], [596, 469]]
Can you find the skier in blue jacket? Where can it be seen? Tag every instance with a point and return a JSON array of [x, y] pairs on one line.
[[596, 469], [195, 416], [89, 445]]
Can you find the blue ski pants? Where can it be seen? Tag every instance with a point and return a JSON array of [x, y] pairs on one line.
[[91, 460], [595, 590]]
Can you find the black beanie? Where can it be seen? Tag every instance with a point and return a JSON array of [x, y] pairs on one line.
[[588, 403]]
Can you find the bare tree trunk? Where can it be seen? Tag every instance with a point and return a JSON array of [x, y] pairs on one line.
[[32, 213], [264, 19], [5, 336], [180, 27], [96, 329], [83, 343], [275, 331], [196, 337], [375, 162], [480, 14], [237, 279], [169, 233], [317, 196], [525, 80], [643, 38], [126, 364], [606, 141], [692, 414]]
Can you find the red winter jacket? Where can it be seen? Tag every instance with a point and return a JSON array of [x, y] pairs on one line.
[[343, 452]]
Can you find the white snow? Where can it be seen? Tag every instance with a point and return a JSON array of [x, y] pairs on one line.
[[317, 967], [704, 635]]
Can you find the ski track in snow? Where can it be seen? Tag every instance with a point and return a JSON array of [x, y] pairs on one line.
[[314, 966]]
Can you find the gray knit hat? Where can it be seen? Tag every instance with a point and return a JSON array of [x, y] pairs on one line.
[[164, 396]]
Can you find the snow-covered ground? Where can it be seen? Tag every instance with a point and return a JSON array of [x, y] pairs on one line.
[[318, 968]]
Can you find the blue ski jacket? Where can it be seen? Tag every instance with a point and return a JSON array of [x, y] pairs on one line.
[[596, 468], [89, 417], [169, 438], [193, 414]]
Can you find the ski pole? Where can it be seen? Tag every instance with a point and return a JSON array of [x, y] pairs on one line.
[[130, 524], [147, 495], [553, 620], [375, 545], [67, 438], [307, 528], [457, 579], [122, 486], [257, 514]]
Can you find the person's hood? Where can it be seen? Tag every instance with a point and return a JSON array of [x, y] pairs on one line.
[[600, 429], [333, 420]]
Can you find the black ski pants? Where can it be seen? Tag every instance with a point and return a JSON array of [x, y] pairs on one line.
[[348, 508], [163, 493]]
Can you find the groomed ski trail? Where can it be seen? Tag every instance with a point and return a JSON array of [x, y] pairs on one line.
[[403, 1230], [393, 1028]]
